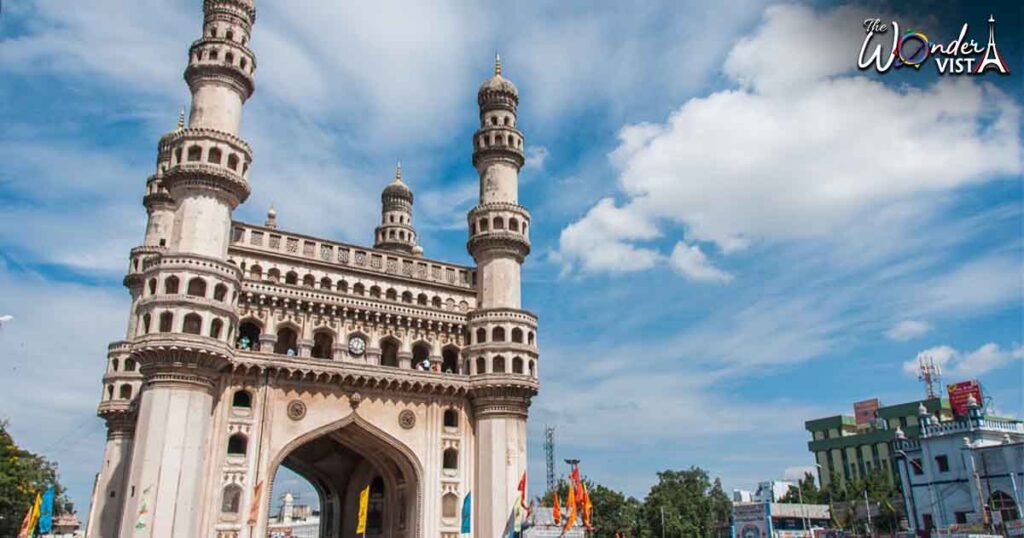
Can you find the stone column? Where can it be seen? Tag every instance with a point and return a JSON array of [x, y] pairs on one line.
[[109, 490]]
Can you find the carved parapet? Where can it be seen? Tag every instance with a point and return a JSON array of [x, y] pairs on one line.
[[120, 417], [498, 143], [213, 178], [502, 395], [244, 10], [137, 263], [498, 243], [224, 61]]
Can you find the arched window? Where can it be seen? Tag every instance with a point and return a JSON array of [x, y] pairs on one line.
[[323, 344], [152, 286], [291, 278], [436, 302], [343, 286], [114, 364], [1003, 503], [481, 365], [533, 368], [229, 35], [309, 281], [110, 392], [375, 292], [391, 294], [241, 398], [420, 353], [274, 275], [232, 499], [529, 338], [499, 223], [325, 283], [125, 392], [451, 418], [375, 510], [421, 299], [171, 285], [513, 224], [193, 324], [229, 58], [220, 292], [498, 334], [287, 342], [216, 326], [481, 335], [517, 335], [237, 444], [484, 225], [248, 336], [517, 365], [233, 161], [214, 54], [450, 459], [195, 153], [129, 365], [499, 365], [197, 287], [388, 352], [359, 289], [166, 322], [256, 272], [214, 155], [450, 360], [449, 506], [145, 324], [407, 297]]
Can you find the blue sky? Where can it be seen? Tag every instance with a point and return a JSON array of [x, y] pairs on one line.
[[734, 229]]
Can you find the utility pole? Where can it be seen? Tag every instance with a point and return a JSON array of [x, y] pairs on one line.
[[662, 521], [867, 508], [549, 454]]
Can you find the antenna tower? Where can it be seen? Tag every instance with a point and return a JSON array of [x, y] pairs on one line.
[[929, 373], [549, 454]]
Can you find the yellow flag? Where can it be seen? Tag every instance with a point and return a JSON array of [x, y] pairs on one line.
[[364, 504], [28, 526]]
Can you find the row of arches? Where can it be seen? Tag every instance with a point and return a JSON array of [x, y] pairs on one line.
[[508, 140], [124, 392], [498, 365], [291, 278], [399, 235], [497, 223], [192, 323], [129, 365], [196, 287], [498, 335], [228, 34], [213, 54], [214, 155]]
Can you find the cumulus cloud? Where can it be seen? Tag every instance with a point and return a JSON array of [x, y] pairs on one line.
[[908, 329], [804, 149], [691, 262], [966, 364], [604, 234]]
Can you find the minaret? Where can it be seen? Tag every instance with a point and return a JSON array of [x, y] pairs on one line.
[[395, 231], [185, 321], [502, 353]]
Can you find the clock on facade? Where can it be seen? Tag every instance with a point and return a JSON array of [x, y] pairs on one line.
[[356, 345]]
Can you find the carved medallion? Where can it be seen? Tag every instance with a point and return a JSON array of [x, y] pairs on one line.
[[407, 419], [296, 410]]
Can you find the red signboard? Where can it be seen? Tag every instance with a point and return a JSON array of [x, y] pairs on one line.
[[866, 411], [959, 392]]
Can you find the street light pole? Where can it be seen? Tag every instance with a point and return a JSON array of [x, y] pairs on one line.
[[662, 521]]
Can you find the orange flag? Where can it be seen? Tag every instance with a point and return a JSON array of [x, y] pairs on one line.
[[587, 507], [556, 510], [522, 492], [254, 507], [570, 503]]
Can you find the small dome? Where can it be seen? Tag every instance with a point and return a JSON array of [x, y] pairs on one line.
[[417, 250], [922, 410], [497, 83], [397, 187]]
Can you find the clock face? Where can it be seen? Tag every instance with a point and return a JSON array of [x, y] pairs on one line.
[[356, 345]]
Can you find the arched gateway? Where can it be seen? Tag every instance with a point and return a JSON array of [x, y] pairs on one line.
[[341, 459], [258, 348]]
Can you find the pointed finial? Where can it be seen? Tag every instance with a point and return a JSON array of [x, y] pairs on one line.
[[497, 63], [398, 171], [271, 217], [181, 119], [991, 18]]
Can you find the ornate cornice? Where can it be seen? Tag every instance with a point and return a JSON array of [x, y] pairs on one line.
[[502, 395], [483, 157], [500, 243], [177, 358], [230, 75], [217, 180]]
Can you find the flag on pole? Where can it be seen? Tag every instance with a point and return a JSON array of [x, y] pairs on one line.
[[254, 506], [587, 507], [364, 506], [570, 504], [522, 491], [556, 510], [46, 512], [28, 525], [467, 512]]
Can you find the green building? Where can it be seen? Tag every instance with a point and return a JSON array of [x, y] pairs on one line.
[[851, 451]]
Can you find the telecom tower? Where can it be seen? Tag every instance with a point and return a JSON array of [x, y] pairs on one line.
[[549, 454], [929, 373]]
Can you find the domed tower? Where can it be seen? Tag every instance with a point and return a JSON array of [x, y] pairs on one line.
[[502, 353], [395, 231], [184, 319]]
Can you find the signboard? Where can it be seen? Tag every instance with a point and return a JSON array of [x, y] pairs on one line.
[[959, 392], [866, 411], [750, 520], [829, 533], [1015, 527]]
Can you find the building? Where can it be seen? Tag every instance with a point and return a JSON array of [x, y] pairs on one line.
[[966, 472], [768, 491], [851, 448], [293, 520], [249, 347], [541, 524], [777, 520]]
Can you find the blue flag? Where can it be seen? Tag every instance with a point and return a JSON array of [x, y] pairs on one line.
[[46, 512], [467, 511]]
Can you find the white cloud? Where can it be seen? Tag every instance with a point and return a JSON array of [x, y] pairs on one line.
[[690, 262], [801, 152], [598, 242], [535, 157], [908, 329], [958, 364]]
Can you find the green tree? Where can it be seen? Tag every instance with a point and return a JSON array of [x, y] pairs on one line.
[[805, 491], [22, 475], [690, 504]]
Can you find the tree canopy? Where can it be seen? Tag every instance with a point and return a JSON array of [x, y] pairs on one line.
[[23, 475]]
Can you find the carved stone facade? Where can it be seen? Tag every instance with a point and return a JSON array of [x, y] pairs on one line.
[[249, 348]]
